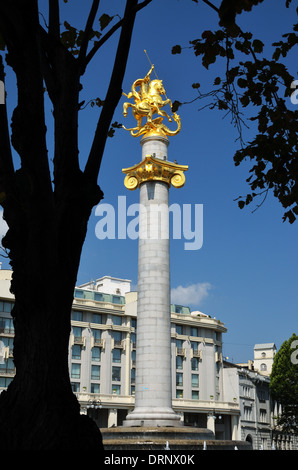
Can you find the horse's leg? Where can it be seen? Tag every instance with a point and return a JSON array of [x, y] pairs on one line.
[[125, 106]]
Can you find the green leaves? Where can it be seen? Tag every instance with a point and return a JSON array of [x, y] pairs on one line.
[[255, 84], [284, 384]]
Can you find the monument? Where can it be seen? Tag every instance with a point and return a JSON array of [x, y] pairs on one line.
[[153, 424], [153, 175]]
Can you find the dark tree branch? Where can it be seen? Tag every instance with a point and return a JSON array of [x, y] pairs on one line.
[[54, 19], [107, 36], [211, 5], [100, 43], [113, 94], [88, 29]]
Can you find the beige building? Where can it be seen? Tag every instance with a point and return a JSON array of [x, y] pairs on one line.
[[102, 357]]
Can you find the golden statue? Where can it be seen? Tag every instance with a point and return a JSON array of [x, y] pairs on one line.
[[147, 102]]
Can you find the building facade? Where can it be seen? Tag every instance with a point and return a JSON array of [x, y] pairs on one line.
[[102, 357], [207, 392]]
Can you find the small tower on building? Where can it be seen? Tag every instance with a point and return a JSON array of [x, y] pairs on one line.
[[263, 357]]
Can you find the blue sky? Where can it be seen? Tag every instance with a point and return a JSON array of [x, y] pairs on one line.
[[245, 274]]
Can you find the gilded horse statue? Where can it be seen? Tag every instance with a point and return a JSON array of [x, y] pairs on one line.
[[147, 102]]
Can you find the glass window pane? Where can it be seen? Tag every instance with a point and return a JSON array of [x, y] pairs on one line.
[[194, 380], [116, 374], [179, 379], [96, 354], [76, 351], [96, 318], [95, 372], [75, 371], [116, 355], [77, 316], [95, 388], [98, 297]]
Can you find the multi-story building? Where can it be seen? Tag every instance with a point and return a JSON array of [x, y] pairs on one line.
[[230, 400], [251, 391], [102, 357]]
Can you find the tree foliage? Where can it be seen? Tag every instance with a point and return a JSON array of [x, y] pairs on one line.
[[253, 83], [284, 384]]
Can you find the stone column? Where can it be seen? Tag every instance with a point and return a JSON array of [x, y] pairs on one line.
[[153, 391]]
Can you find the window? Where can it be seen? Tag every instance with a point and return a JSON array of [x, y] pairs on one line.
[[179, 379], [116, 374], [117, 336], [194, 363], [95, 372], [178, 309], [133, 339], [194, 331], [116, 355], [133, 376], [195, 394], [95, 388], [4, 382], [194, 345], [96, 334], [6, 307], [179, 362], [6, 325], [96, 352], [79, 294], [76, 351], [98, 297], [7, 366], [75, 386], [75, 371], [179, 393], [116, 389], [179, 329], [263, 367], [76, 316], [263, 416], [116, 320], [77, 332], [133, 358], [96, 318], [116, 299], [247, 413], [194, 380]]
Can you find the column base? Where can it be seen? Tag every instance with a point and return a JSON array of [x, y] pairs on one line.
[[156, 417]]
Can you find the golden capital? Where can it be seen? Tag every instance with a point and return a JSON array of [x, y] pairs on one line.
[[154, 169], [147, 102]]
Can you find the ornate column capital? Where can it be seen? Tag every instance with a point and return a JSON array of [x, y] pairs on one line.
[[154, 169]]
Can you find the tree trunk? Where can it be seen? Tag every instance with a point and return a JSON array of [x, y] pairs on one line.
[[47, 223], [46, 233]]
